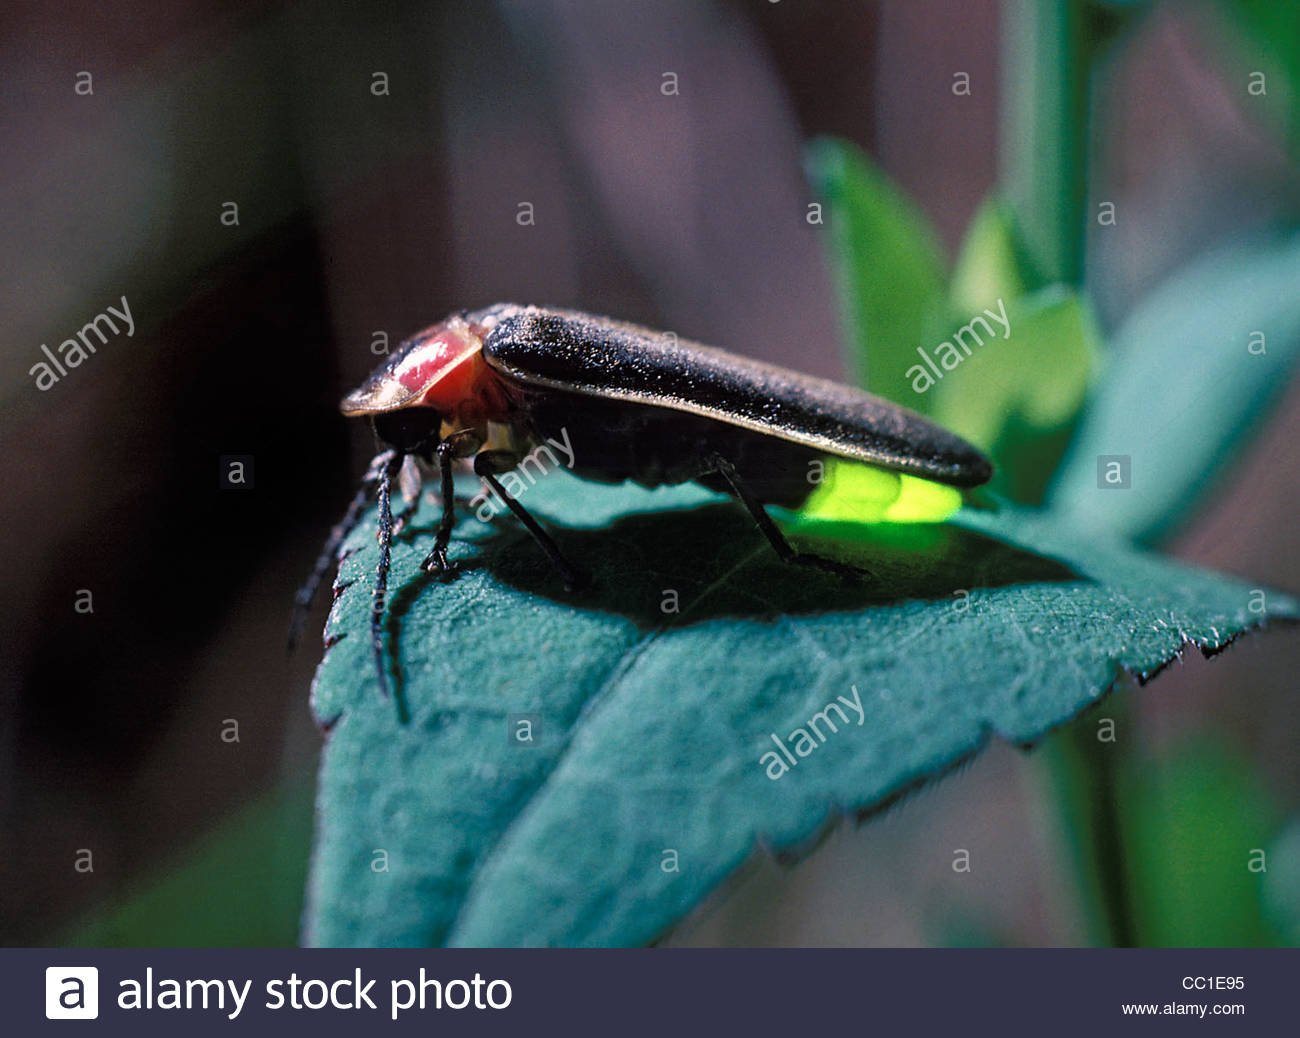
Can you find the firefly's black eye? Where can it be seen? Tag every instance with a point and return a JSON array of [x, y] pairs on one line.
[[409, 429]]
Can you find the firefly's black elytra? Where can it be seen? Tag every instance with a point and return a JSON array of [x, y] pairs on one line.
[[634, 404]]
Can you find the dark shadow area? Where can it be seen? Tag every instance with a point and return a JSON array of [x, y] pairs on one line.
[[719, 565]]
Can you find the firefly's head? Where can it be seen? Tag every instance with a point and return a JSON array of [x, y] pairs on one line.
[[435, 378]]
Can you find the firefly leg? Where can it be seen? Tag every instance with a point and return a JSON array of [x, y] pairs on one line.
[[772, 532], [411, 486], [404, 516], [484, 461], [381, 571], [436, 561], [329, 551]]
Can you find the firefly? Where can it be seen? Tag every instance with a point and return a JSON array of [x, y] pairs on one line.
[[492, 385]]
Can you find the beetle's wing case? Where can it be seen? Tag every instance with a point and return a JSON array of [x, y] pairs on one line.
[[599, 357]]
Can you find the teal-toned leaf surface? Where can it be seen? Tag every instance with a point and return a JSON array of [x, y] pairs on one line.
[[654, 697], [888, 266], [1194, 369]]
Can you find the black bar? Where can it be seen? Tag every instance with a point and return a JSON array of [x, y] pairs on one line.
[[669, 992]]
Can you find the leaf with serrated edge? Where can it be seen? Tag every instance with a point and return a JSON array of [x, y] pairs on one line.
[[653, 724]]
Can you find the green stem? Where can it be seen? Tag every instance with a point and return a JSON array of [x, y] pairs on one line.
[[1085, 774], [1045, 131], [1047, 59]]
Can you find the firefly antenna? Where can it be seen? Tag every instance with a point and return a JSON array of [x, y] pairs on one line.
[[385, 485], [329, 551]]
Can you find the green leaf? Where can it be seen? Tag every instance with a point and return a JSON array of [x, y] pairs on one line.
[[888, 265], [1195, 822], [1189, 381], [1269, 43], [656, 694], [239, 886], [989, 266], [1019, 394]]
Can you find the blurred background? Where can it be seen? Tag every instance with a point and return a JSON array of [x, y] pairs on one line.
[[381, 159]]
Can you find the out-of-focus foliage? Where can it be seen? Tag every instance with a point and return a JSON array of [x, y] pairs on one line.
[[1282, 883], [989, 266], [1269, 44], [1020, 397], [888, 265], [1194, 368], [1018, 392], [1196, 829], [241, 885]]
